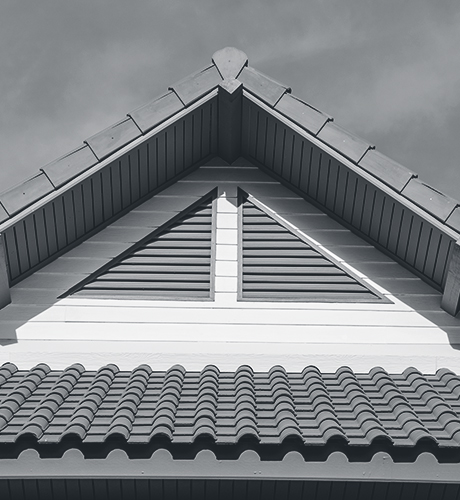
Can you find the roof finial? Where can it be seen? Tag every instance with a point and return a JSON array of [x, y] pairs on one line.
[[230, 62]]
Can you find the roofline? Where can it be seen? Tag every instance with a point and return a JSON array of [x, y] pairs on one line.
[[197, 86], [359, 157]]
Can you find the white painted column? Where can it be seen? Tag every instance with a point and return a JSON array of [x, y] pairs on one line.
[[226, 284]]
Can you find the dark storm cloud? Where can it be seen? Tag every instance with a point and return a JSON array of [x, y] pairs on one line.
[[389, 71]]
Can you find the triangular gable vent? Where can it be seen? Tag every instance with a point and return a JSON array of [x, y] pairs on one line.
[[174, 262], [278, 264]]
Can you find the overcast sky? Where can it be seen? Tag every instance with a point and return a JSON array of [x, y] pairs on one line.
[[389, 71]]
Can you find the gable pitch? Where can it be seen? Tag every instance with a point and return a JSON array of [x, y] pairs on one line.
[[245, 113]]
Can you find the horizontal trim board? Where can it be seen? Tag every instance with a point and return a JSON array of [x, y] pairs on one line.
[[240, 332], [219, 315]]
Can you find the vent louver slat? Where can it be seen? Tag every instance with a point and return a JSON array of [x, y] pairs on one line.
[[278, 265], [174, 262]]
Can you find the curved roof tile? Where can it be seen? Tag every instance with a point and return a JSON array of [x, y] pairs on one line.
[[227, 407]]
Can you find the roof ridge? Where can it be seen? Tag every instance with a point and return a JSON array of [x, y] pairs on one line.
[[209, 102], [228, 63]]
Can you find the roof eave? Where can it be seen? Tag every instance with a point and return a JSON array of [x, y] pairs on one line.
[[381, 468]]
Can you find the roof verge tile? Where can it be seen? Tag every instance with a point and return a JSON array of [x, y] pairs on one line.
[[342, 141], [388, 171], [453, 220], [156, 111], [19, 197], [196, 85], [113, 138], [3, 214], [302, 113], [70, 165], [437, 204], [261, 86]]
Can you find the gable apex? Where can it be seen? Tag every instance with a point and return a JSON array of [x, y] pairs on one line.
[[230, 62], [229, 109]]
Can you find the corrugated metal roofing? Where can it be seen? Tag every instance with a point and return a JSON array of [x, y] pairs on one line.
[[174, 262], [279, 265], [310, 409]]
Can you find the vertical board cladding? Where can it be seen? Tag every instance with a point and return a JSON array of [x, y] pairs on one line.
[[292, 158], [110, 191]]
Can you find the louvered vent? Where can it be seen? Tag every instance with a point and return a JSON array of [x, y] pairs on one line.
[[173, 263], [278, 265]]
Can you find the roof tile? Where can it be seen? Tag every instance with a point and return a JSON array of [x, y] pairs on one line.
[[453, 220], [226, 407], [437, 204], [263, 87], [302, 113], [19, 197], [342, 141], [156, 111], [195, 86], [230, 62], [70, 165], [388, 171], [3, 214], [113, 138]]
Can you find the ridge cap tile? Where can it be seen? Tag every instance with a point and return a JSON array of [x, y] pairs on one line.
[[229, 61]]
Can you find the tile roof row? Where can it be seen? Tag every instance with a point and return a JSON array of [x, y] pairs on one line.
[[229, 63], [313, 407]]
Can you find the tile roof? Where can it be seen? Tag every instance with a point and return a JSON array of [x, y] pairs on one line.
[[402, 411]]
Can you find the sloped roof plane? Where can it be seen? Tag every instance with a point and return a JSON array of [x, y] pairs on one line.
[[231, 110]]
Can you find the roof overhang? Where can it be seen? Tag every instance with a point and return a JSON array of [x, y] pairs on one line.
[[249, 466], [206, 477], [231, 110]]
